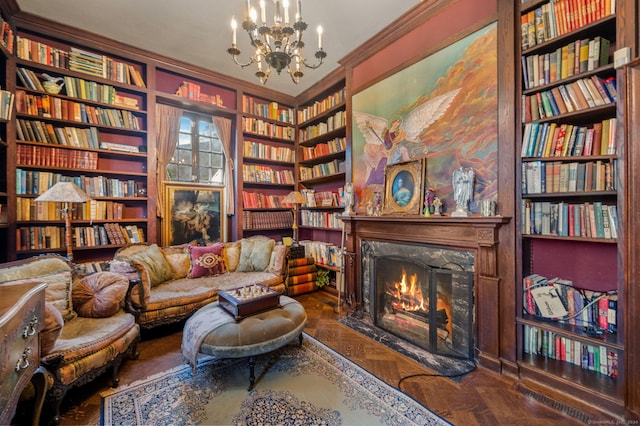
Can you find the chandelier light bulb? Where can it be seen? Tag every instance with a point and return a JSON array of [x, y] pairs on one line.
[[234, 26], [319, 36], [285, 5]]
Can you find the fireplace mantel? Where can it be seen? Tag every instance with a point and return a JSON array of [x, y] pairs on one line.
[[475, 233]]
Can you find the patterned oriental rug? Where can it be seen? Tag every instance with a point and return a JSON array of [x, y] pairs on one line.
[[308, 385]]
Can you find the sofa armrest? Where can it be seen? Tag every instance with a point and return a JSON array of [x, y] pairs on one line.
[[130, 305]]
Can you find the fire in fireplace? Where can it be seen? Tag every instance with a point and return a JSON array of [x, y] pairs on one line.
[[429, 306]]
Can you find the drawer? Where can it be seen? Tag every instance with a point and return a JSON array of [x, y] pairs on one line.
[[19, 349]]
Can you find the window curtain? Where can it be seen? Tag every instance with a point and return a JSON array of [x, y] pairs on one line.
[[167, 129], [223, 125]]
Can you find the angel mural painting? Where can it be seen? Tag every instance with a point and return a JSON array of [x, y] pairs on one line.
[[386, 142]]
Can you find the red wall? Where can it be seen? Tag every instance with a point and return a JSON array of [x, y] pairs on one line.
[[437, 32]]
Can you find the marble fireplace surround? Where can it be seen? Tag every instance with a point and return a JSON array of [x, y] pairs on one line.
[[477, 235]]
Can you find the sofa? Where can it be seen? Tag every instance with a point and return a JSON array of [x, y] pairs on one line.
[[168, 284], [86, 332]]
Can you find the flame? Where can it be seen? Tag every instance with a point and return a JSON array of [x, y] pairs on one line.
[[408, 295]]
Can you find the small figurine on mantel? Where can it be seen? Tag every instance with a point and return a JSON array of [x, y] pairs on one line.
[[348, 199], [462, 180], [437, 206], [428, 201]]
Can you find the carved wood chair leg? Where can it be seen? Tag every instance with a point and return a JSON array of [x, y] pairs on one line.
[[252, 376]]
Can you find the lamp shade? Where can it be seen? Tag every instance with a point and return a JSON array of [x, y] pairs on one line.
[[64, 192], [294, 197]]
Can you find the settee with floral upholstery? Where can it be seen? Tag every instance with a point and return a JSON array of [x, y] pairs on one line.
[[168, 284], [85, 332]]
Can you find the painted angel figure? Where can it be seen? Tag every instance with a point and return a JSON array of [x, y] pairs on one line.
[[385, 140]]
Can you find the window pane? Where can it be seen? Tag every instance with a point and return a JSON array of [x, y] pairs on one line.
[[205, 144], [216, 146], [217, 177], [185, 173], [172, 171], [185, 125], [217, 161], [184, 140], [206, 129], [184, 157], [204, 159]]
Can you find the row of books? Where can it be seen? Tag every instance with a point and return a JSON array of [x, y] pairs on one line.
[[577, 57], [541, 177], [324, 253], [579, 95], [320, 170], [264, 128], [6, 104], [322, 198], [258, 200], [270, 110], [268, 152], [265, 174], [39, 131], [318, 219], [28, 209], [558, 299], [325, 148], [339, 119], [6, 35], [585, 220], [194, 92], [600, 359], [33, 155], [62, 109], [36, 182], [81, 89], [78, 60], [558, 17], [53, 237], [267, 220], [320, 106], [568, 140]]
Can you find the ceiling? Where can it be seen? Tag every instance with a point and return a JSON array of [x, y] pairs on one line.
[[198, 31]]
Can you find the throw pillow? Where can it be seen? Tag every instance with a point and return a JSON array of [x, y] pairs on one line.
[[99, 295], [231, 256], [154, 263], [58, 291], [206, 261], [276, 264], [51, 328], [255, 254], [178, 258]]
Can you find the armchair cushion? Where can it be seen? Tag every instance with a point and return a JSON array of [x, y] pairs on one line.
[[58, 291], [51, 328], [206, 261], [255, 254], [99, 295]]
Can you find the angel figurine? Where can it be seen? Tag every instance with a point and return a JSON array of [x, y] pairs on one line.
[[462, 180], [385, 141]]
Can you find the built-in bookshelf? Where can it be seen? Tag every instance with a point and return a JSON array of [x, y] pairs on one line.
[[268, 166], [570, 181], [321, 149], [6, 111], [81, 116]]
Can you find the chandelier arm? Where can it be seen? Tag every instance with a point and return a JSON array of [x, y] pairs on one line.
[[234, 52], [320, 55]]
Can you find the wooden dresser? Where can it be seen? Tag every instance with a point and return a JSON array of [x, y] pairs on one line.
[[21, 319]]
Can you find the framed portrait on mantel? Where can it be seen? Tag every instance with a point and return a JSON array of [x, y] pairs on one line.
[[404, 187], [193, 212]]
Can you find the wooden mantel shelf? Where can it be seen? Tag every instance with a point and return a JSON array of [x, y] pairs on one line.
[[475, 233]]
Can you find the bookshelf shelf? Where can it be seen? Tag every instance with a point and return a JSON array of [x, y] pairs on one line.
[[569, 194], [323, 179]]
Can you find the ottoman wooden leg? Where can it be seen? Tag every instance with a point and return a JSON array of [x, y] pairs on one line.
[[300, 339], [252, 376]]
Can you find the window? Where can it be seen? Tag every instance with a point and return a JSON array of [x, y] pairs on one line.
[[198, 156]]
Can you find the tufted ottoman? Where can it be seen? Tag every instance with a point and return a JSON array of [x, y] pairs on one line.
[[212, 331]]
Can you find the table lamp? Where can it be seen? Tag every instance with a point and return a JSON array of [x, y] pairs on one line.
[[65, 192], [295, 198]]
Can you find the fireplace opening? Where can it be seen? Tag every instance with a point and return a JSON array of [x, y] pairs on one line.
[[426, 305]]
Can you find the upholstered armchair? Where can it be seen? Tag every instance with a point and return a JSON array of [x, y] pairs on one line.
[[86, 331]]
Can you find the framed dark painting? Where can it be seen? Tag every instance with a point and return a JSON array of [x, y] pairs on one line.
[[193, 213]]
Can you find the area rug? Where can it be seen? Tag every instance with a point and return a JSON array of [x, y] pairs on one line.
[[298, 385], [454, 368]]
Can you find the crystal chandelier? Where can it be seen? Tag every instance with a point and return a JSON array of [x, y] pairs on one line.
[[278, 46]]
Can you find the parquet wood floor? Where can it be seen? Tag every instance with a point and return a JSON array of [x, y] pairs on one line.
[[481, 398]]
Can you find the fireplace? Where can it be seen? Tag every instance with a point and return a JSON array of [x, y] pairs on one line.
[[422, 294]]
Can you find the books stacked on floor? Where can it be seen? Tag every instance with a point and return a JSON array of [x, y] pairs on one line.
[[301, 276]]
